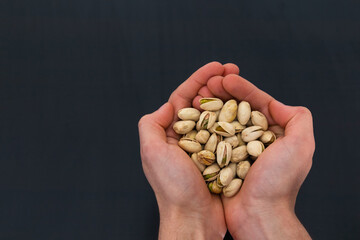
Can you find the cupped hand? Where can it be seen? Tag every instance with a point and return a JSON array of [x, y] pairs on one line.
[[187, 209]]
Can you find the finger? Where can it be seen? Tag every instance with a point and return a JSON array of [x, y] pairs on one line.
[[230, 68], [242, 89], [216, 87], [205, 92]]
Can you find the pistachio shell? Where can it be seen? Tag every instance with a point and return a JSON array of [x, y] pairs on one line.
[[251, 133], [211, 143], [206, 121], [183, 127], [255, 148], [228, 111], [214, 188], [233, 188], [191, 134], [244, 112], [233, 167], [200, 166], [189, 114], [225, 176], [223, 153], [190, 145], [239, 154], [234, 141], [238, 126], [268, 137], [242, 169], [202, 136], [211, 172], [211, 104], [206, 157], [249, 123], [259, 119], [212, 129], [225, 129], [241, 142]]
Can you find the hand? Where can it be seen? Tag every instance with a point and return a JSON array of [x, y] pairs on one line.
[[264, 207], [187, 209]]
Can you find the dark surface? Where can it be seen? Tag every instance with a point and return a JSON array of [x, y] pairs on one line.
[[75, 77]]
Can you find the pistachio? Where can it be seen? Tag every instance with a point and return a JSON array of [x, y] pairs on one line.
[[211, 143], [259, 119], [212, 129], [242, 169], [211, 172], [217, 115], [268, 137], [249, 123], [206, 157], [214, 188], [206, 121], [200, 166], [255, 148], [191, 134], [183, 127], [189, 114], [211, 104], [238, 127], [244, 112], [228, 111], [241, 142], [225, 176], [233, 167], [223, 153], [202, 136], [233, 188], [234, 141], [251, 133], [225, 129], [239, 154], [190, 145]]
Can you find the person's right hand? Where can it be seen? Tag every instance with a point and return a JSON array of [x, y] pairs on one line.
[[264, 207]]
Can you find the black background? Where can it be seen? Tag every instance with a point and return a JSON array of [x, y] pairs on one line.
[[76, 76]]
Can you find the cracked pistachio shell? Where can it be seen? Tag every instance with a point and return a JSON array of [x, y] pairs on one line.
[[255, 148], [211, 104], [234, 141], [279, 131], [251, 133], [223, 153], [228, 111], [183, 127], [239, 154], [241, 142], [189, 114], [206, 157], [233, 167], [190, 145], [233, 188], [191, 134], [212, 129], [225, 176], [217, 115], [244, 112], [202, 136], [268, 137], [206, 120], [242, 169], [200, 166], [225, 129], [238, 127], [211, 172], [211, 143], [259, 119], [214, 188]]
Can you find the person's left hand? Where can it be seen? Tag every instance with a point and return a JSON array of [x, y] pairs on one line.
[[187, 209]]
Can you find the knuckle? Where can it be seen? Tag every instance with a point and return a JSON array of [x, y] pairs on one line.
[[304, 111], [143, 120]]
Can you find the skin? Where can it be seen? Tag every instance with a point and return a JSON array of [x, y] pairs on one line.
[[264, 207]]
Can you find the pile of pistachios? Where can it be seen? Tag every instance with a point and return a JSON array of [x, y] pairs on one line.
[[224, 141]]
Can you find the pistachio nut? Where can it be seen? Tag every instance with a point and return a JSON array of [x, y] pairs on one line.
[[191, 134], [242, 169], [228, 111], [200, 166], [241, 142], [206, 121], [244, 112], [225, 176], [211, 143], [234, 141], [251, 133], [255, 148], [233, 167], [202, 136], [225, 129], [279, 131], [211, 172], [238, 126], [259, 119], [214, 188], [217, 115], [268, 137], [234, 187], [211, 104], [189, 114], [219, 138], [190, 145], [239, 154], [212, 129], [223, 153], [183, 127], [206, 157]]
